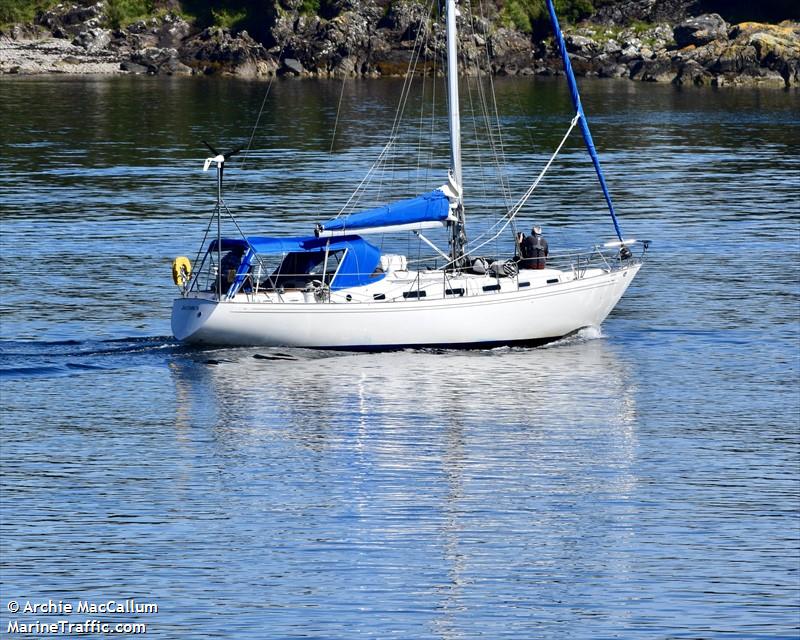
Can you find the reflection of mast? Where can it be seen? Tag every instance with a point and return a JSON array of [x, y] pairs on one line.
[[458, 238], [453, 527], [483, 449]]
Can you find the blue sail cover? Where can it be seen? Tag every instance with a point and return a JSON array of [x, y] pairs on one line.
[[576, 100], [357, 268], [433, 207]]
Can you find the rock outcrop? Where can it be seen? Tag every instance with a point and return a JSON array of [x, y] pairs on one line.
[[700, 31], [365, 38], [700, 50]]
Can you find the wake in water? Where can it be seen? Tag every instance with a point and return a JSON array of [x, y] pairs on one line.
[[587, 334], [70, 357], [65, 357]]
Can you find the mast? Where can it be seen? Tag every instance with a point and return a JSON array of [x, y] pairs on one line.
[[220, 168], [458, 237]]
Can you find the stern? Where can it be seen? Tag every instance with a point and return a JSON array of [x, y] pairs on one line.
[[189, 316]]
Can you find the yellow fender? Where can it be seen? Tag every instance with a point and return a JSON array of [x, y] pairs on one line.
[[181, 271]]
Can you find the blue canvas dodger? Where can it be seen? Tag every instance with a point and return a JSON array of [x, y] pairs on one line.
[[357, 268]]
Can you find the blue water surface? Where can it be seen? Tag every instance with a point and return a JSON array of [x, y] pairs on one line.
[[641, 480]]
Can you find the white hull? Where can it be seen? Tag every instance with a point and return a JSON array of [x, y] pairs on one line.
[[540, 313]]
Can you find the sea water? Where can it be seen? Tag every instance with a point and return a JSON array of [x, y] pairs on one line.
[[640, 480]]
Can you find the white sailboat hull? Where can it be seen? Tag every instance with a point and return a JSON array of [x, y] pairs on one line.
[[535, 315]]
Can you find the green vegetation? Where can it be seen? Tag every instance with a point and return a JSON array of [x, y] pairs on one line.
[[639, 27], [516, 14], [123, 12], [531, 16], [229, 18], [254, 16], [310, 7], [645, 31], [15, 11]]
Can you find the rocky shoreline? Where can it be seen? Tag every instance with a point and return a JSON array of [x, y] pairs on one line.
[[365, 39]]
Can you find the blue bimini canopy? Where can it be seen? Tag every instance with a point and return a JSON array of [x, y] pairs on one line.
[[426, 211], [358, 266]]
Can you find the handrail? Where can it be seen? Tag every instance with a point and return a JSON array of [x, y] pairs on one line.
[[576, 261]]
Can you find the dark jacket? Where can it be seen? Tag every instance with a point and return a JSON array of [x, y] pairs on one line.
[[533, 251]]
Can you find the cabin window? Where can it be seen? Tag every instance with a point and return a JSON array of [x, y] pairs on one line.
[[299, 268]]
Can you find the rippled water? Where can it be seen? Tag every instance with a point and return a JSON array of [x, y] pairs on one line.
[[638, 481]]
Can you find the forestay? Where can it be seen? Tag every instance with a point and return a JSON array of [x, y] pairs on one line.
[[584, 125]]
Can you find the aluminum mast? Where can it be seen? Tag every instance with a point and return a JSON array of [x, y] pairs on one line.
[[458, 238]]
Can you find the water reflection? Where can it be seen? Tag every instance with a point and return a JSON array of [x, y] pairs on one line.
[[444, 463], [526, 389]]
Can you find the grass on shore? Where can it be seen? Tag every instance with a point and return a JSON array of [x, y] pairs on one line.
[[21, 11], [531, 16], [123, 12]]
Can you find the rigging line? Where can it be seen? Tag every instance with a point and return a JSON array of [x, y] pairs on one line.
[[423, 47], [336, 122], [241, 233], [518, 206], [407, 80], [477, 140], [499, 158], [245, 156], [493, 146], [489, 131], [504, 174], [501, 164], [356, 195], [487, 122], [366, 177], [429, 165], [422, 113], [404, 94], [478, 88], [412, 69], [491, 135], [419, 136], [514, 210], [258, 120], [205, 236], [410, 73]]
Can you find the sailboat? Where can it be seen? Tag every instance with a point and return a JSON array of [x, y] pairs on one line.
[[334, 289]]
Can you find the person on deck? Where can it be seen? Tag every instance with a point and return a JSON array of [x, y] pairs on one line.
[[230, 264], [533, 250]]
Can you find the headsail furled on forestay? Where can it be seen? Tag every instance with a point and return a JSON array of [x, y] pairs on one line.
[[584, 125]]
